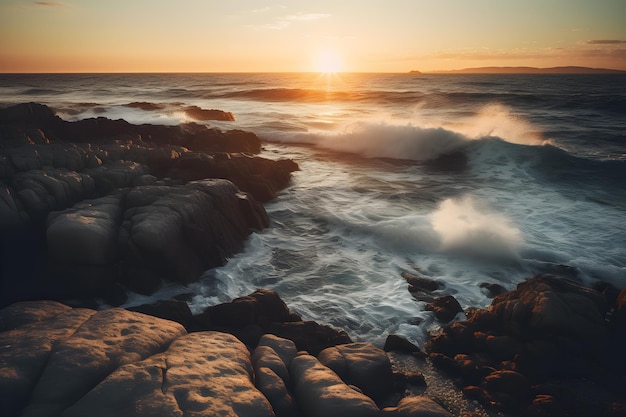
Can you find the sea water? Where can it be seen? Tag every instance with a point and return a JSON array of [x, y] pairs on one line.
[[464, 179]]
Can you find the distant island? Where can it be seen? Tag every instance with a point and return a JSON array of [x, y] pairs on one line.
[[525, 70]]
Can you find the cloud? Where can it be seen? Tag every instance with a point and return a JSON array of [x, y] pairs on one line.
[[604, 42], [286, 21], [49, 4]]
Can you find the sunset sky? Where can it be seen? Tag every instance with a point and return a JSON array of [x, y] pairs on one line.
[[296, 35]]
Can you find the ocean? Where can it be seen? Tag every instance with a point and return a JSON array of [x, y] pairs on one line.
[[464, 179]]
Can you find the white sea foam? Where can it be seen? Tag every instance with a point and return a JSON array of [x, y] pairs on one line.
[[464, 228]]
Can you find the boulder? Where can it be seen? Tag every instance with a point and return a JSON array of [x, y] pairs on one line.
[[173, 310], [362, 365], [284, 348], [107, 340], [198, 113], [276, 392], [397, 343], [321, 393], [200, 374], [86, 233], [549, 332], [416, 407], [445, 308], [176, 233], [310, 336]]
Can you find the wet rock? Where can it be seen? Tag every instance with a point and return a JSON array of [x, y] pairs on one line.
[[417, 283], [445, 308], [198, 113], [397, 343], [493, 290], [548, 332], [320, 392], [362, 365]]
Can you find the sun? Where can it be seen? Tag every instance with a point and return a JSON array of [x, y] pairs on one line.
[[327, 61]]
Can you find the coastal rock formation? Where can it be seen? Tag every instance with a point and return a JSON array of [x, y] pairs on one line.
[[362, 365], [547, 348], [263, 311], [70, 362], [86, 206]]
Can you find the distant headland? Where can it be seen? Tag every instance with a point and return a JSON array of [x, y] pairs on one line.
[[524, 70]]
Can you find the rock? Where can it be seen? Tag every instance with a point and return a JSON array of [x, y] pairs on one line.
[[275, 390], [362, 365], [417, 407], [173, 310], [198, 113], [176, 233], [25, 350], [21, 314], [417, 283], [446, 308], [555, 309], [509, 388], [310, 336], [321, 393], [397, 343], [284, 348], [549, 332], [262, 307], [107, 340], [266, 357], [204, 373], [493, 290], [86, 233]]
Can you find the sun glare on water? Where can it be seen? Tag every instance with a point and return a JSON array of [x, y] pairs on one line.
[[328, 62]]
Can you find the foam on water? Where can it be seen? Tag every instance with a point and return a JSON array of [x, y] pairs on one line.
[[535, 182]]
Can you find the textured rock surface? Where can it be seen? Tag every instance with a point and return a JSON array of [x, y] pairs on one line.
[[416, 407], [201, 374], [70, 190], [546, 348], [320, 392], [362, 365], [71, 362]]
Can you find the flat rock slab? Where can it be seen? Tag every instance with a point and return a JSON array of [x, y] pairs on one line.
[[201, 374], [107, 340]]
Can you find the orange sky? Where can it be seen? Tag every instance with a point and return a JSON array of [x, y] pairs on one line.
[[359, 36]]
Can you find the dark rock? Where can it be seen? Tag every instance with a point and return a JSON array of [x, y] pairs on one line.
[[549, 332], [445, 308], [262, 307], [417, 283], [493, 290], [397, 343], [172, 310], [310, 336], [198, 113]]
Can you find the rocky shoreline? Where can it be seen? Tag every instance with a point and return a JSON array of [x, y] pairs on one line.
[[94, 208]]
